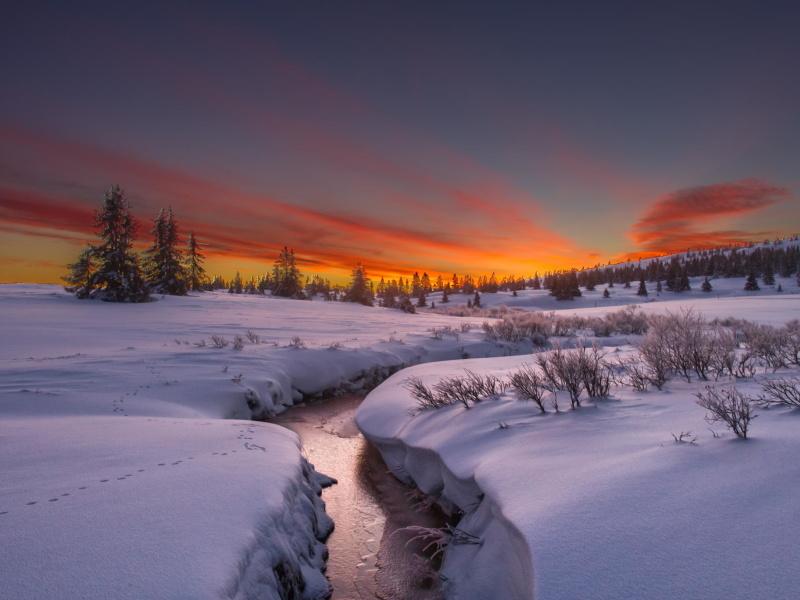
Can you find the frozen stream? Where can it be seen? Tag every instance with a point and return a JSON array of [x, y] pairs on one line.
[[367, 505]]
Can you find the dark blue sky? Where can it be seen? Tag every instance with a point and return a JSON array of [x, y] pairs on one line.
[[443, 136]]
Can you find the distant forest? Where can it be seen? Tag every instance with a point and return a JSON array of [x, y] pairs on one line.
[[112, 271]]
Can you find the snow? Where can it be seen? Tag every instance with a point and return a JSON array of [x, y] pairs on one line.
[[131, 468], [602, 502]]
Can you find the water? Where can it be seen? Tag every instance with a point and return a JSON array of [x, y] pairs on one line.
[[369, 557]]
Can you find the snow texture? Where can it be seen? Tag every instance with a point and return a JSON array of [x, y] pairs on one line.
[[602, 502], [131, 468]]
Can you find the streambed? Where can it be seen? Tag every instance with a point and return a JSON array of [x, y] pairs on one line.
[[369, 557]]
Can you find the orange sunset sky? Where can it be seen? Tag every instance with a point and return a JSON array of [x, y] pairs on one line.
[[507, 137]]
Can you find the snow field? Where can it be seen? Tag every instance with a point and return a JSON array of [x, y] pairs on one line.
[[130, 466], [131, 470], [602, 502]]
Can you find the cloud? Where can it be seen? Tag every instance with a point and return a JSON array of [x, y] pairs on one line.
[[686, 218]]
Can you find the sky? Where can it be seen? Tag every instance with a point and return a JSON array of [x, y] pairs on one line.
[[446, 137]]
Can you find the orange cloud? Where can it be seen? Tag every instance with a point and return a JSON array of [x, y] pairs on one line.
[[684, 219]]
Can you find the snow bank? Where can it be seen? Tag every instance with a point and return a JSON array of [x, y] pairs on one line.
[[131, 468], [601, 502]]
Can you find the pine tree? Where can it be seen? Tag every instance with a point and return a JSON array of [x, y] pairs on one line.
[[706, 285], [769, 274], [683, 282], [606, 293], [80, 276], [422, 301], [535, 283], [642, 291], [195, 273], [476, 301], [118, 277], [751, 285], [236, 285], [359, 288], [446, 294], [287, 279], [163, 267]]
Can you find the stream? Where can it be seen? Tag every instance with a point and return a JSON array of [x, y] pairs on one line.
[[369, 558]]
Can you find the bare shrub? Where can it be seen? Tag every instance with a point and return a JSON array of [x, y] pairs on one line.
[[519, 326], [785, 392], [792, 329], [297, 342], [238, 378], [729, 405], [253, 337], [467, 390], [439, 538], [684, 437], [684, 342], [440, 332], [738, 363], [486, 386], [466, 327], [458, 389], [238, 342], [637, 375], [628, 321], [425, 396], [768, 344], [200, 344], [529, 385], [563, 371], [599, 327], [595, 372], [336, 345], [219, 341]]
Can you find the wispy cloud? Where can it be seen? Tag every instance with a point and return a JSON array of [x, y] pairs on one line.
[[687, 218]]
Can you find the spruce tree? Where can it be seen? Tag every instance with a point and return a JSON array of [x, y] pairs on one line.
[[359, 288], [287, 279], [163, 267], [79, 278], [422, 301], [606, 293], [769, 274], [476, 301], [535, 283], [751, 285], [642, 291], [118, 277], [706, 285], [195, 273], [446, 294]]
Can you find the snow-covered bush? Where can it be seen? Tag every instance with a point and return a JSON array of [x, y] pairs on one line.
[[253, 337], [784, 392], [729, 405]]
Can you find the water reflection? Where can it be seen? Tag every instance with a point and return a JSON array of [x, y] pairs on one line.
[[369, 558]]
